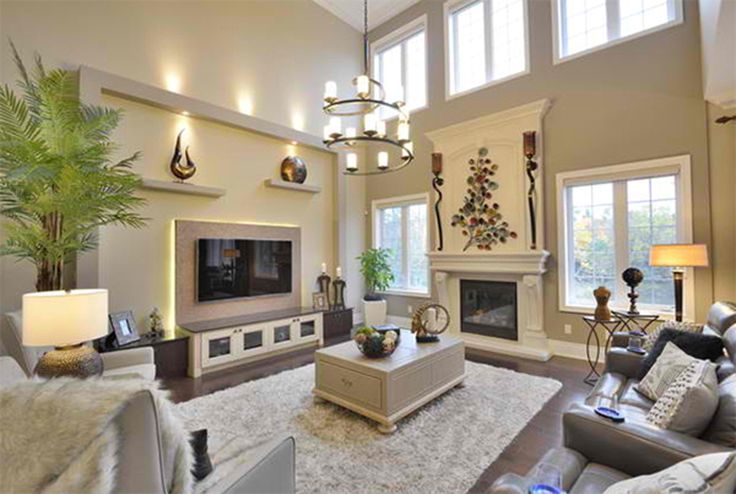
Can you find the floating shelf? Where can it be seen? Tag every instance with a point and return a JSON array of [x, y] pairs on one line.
[[182, 188], [281, 184]]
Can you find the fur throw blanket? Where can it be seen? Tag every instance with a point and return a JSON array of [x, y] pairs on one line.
[[61, 435]]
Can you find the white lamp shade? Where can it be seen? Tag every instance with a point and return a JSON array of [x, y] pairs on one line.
[[62, 318], [679, 255]]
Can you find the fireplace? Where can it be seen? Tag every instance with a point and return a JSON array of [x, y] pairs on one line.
[[488, 308]]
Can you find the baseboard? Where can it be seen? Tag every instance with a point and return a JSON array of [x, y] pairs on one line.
[[570, 349]]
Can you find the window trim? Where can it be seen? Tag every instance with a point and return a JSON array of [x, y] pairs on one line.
[[452, 6], [680, 165], [406, 200], [558, 58], [396, 37]]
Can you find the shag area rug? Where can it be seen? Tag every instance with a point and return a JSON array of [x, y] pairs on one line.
[[442, 448]]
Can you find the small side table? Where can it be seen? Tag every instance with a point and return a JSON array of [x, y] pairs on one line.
[[636, 322], [610, 326]]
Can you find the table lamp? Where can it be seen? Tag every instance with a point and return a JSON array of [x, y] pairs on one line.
[[678, 257], [66, 320]]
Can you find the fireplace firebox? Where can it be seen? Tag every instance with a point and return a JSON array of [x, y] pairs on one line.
[[488, 308]]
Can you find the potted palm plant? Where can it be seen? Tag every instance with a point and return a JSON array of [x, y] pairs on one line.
[[375, 266], [58, 180]]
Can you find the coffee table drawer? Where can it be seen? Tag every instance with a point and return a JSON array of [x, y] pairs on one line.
[[350, 384]]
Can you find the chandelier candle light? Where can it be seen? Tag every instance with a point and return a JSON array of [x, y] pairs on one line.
[[370, 99]]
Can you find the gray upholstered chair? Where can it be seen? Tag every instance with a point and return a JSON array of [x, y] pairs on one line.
[[267, 469], [138, 361]]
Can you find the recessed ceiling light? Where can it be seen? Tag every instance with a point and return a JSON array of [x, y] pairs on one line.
[[185, 113], [294, 143]]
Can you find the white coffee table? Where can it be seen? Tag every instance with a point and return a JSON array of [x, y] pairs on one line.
[[388, 389]]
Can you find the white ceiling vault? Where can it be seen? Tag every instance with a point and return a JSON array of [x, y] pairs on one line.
[[379, 11]]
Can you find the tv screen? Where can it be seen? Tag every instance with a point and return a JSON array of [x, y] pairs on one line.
[[230, 268]]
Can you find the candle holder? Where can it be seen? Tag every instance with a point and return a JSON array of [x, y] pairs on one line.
[[530, 151], [323, 281], [438, 182], [339, 288]]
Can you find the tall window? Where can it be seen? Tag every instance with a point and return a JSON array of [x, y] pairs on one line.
[[612, 216], [486, 42], [583, 25], [401, 225], [400, 64]]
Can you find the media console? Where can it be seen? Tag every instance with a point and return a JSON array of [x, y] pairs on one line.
[[222, 343]]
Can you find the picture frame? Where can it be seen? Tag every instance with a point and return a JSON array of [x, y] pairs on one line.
[[124, 327], [319, 301]]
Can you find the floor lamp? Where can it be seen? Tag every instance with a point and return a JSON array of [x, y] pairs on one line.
[[678, 257]]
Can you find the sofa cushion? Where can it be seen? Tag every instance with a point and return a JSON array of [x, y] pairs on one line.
[[630, 396], [665, 370], [699, 346], [690, 402], [721, 316], [714, 473], [595, 478], [722, 429], [609, 384], [688, 327]]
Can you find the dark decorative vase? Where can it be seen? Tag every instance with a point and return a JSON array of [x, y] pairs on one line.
[[294, 169], [632, 277]]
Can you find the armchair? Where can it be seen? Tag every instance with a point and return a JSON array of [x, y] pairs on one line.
[[134, 361]]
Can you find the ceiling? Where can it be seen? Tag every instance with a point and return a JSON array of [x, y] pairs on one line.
[[379, 11]]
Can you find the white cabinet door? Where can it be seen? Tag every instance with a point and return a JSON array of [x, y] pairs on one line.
[[309, 328], [283, 332], [255, 340], [219, 347]]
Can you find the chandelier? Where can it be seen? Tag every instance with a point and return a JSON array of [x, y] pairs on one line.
[[369, 103]]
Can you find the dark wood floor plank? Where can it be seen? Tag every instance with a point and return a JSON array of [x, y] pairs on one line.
[[542, 433]]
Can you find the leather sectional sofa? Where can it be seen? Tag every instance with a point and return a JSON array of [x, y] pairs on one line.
[[598, 453]]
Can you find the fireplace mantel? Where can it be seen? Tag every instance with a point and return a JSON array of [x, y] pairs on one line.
[[523, 263]]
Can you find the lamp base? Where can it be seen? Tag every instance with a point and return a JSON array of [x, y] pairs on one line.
[[70, 361]]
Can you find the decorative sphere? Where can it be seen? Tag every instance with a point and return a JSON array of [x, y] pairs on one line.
[[294, 169], [632, 276]]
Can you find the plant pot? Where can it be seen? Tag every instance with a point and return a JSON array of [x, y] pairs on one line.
[[375, 312]]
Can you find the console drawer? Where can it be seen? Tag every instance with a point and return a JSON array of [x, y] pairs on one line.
[[350, 384]]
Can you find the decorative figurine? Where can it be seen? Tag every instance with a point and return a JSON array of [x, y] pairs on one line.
[[339, 287], [429, 321], [530, 150], [438, 182], [479, 217], [323, 281], [179, 170], [156, 321], [602, 296], [293, 169], [632, 277]]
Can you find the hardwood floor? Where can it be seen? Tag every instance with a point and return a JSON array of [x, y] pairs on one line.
[[542, 433]]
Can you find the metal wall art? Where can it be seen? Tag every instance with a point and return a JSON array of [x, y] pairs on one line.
[[479, 217], [293, 169], [438, 182], [179, 170], [530, 151]]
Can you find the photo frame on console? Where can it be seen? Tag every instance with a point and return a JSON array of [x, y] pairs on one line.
[[124, 327], [319, 301]]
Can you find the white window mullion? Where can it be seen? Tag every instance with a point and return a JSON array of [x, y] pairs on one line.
[[488, 36], [620, 238], [404, 71], [613, 18], [405, 245]]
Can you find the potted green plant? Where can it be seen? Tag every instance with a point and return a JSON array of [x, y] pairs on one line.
[[375, 266], [58, 180]]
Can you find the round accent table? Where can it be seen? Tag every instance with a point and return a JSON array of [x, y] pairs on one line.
[[610, 326]]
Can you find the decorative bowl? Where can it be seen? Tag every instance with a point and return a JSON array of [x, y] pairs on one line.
[[375, 344]]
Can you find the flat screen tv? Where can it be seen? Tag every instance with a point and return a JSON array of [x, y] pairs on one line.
[[229, 268]]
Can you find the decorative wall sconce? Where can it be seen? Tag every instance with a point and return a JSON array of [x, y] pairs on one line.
[[438, 182], [530, 151], [182, 171]]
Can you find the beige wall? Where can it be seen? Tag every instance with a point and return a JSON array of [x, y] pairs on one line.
[[722, 153], [638, 100], [275, 54]]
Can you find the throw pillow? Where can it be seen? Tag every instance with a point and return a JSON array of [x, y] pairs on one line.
[[651, 338], [712, 474], [700, 346], [690, 402], [722, 429], [665, 370]]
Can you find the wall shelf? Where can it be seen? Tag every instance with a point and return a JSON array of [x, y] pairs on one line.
[[182, 188], [281, 184]]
